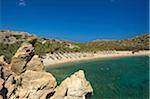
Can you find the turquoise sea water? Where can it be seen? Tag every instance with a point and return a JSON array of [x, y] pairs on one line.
[[116, 78]]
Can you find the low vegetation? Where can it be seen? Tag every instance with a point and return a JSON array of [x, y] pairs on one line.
[[8, 50], [140, 42]]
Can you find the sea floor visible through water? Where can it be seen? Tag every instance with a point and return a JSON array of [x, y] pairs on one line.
[[111, 78]]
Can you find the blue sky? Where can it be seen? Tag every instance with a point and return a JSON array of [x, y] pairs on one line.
[[77, 20]]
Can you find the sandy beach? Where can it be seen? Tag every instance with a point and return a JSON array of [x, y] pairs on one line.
[[57, 58]]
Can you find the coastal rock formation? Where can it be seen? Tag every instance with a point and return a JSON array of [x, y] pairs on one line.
[[30, 85], [35, 64], [74, 87], [2, 60], [10, 37], [23, 56], [36, 84], [1, 83], [25, 78]]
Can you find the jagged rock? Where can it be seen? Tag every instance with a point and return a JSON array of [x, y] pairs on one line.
[[1, 71], [35, 84], [1, 83], [2, 60], [10, 37], [11, 85], [74, 87], [35, 64], [38, 79], [23, 56], [5, 71]]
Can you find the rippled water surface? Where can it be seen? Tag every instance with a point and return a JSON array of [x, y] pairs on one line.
[[116, 78]]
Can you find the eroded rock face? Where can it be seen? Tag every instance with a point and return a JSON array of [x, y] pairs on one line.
[[29, 85], [23, 56], [1, 83], [4, 75], [2, 60], [36, 84], [35, 64], [38, 79], [10, 37], [74, 87], [11, 85], [5, 71]]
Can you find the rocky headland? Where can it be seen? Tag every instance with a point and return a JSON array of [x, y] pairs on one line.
[[10, 37], [25, 78]]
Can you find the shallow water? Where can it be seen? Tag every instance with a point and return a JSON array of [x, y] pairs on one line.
[[117, 78]]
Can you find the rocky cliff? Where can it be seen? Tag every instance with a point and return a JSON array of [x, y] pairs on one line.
[[10, 37], [26, 78]]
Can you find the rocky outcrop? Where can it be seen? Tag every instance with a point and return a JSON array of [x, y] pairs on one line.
[[25, 78], [1, 83], [10, 37], [36, 84], [23, 56], [74, 87], [2, 60], [35, 64]]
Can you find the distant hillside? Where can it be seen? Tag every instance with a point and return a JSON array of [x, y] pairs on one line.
[[44, 46], [140, 42], [10, 41]]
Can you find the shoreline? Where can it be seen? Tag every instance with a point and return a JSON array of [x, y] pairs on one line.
[[49, 63]]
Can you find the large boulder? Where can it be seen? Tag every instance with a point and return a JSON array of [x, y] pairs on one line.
[[74, 87], [23, 56], [36, 84], [36, 64]]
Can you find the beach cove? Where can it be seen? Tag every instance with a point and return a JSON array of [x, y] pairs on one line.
[[111, 78], [61, 58]]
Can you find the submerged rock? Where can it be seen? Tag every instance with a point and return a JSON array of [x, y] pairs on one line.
[[74, 87]]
